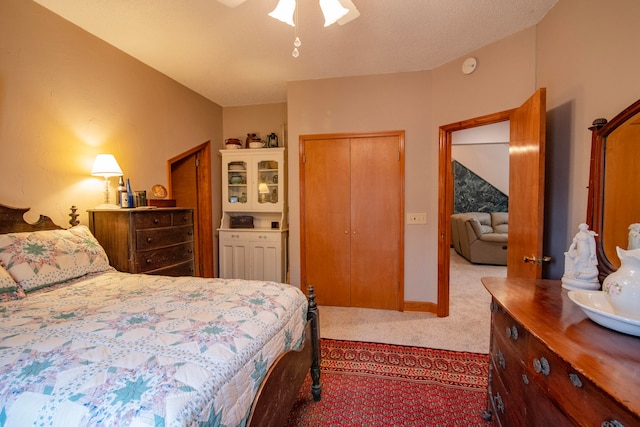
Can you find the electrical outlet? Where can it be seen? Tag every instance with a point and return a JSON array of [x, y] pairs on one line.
[[417, 218]]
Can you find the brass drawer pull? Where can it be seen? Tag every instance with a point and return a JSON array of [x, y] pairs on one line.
[[541, 366], [497, 399], [501, 362]]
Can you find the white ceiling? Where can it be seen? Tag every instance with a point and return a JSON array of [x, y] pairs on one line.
[[241, 56]]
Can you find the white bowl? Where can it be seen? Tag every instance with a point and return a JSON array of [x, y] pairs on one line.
[[256, 145], [231, 146]]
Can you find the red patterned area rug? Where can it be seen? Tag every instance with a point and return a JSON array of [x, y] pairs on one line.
[[367, 384]]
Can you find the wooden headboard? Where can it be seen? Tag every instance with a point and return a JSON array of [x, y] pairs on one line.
[[12, 220]]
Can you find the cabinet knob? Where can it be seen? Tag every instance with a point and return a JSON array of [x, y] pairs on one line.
[[612, 423], [148, 261], [189, 233], [346, 231], [512, 332], [149, 239], [156, 221]]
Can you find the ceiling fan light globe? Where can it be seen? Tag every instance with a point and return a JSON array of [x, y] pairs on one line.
[[332, 11], [284, 11]]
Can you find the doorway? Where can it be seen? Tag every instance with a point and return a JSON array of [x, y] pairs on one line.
[[526, 189], [189, 177]]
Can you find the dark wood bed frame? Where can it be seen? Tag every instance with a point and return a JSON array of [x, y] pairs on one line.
[[279, 389]]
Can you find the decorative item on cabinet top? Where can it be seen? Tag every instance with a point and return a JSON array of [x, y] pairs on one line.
[[241, 221]]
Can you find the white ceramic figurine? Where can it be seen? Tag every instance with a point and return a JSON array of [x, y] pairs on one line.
[[580, 261]]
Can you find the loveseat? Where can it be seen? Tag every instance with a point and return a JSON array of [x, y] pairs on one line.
[[481, 237]]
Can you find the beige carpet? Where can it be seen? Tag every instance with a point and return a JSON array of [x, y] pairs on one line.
[[465, 329]]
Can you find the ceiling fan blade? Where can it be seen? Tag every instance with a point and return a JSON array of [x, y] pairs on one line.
[[231, 3], [351, 15]]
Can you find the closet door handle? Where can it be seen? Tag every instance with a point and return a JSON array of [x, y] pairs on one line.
[[355, 232]]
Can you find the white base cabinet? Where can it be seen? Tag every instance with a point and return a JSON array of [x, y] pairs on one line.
[[253, 255]]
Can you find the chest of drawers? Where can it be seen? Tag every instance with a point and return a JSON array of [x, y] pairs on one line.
[[551, 365], [151, 241]]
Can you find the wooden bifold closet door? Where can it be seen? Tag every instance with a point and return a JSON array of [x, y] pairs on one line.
[[352, 209]]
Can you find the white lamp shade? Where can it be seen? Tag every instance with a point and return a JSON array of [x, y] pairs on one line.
[[106, 166], [284, 11], [263, 188], [332, 11]]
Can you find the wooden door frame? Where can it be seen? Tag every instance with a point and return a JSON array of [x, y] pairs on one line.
[[301, 141], [205, 210], [445, 199]]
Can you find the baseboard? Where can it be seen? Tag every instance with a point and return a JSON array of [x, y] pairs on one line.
[[425, 307]]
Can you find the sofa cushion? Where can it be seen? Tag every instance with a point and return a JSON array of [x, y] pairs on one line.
[[479, 228], [500, 222], [495, 237]]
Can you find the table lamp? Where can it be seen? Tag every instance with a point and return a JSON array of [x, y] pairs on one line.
[[106, 166]]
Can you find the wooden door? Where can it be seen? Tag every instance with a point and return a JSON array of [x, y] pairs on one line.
[[376, 222], [526, 187], [529, 123], [326, 222], [352, 207], [189, 176]]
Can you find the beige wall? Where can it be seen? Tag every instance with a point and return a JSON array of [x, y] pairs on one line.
[[587, 58], [261, 119], [582, 52], [66, 96], [418, 103]]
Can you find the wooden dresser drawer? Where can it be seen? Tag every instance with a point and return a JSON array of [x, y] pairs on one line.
[[579, 397], [151, 219], [184, 217], [182, 269], [151, 238], [159, 258], [512, 331]]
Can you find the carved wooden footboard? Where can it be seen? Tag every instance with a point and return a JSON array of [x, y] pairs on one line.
[[280, 387]]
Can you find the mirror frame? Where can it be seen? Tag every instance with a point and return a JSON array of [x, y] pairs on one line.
[[601, 129]]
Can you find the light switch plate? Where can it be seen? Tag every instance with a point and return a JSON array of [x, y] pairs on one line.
[[417, 218]]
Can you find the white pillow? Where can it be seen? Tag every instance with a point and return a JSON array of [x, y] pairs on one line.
[[43, 258]]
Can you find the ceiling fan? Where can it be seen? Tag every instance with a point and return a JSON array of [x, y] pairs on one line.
[[345, 10]]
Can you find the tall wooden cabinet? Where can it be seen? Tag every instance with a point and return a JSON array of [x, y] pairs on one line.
[[352, 202], [254, 185]]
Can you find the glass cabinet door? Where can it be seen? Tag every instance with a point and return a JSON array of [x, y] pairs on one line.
[[237, 184], [267, 196]]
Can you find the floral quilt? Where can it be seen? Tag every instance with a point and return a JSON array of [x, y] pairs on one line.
[[119, 349]]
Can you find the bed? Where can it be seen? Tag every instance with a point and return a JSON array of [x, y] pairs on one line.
[[82, 344]]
